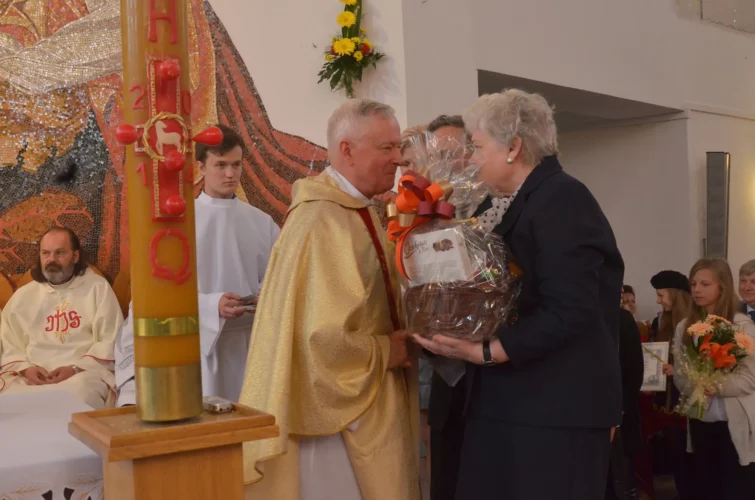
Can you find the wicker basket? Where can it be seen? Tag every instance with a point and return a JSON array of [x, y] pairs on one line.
[[462, 309]]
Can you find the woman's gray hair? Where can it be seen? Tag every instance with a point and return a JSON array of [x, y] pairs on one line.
[[516, 113], [347, 120]]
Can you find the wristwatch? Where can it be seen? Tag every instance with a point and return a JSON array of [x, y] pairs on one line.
[[76, 369], [487, 357]]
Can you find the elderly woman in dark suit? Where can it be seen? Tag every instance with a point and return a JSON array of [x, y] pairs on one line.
[[545, 393]]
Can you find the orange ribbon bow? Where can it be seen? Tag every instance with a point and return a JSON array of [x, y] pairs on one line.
[[418, 201]]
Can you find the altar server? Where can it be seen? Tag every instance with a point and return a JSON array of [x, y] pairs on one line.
[[58, 331], [234, 241], [328, 357]]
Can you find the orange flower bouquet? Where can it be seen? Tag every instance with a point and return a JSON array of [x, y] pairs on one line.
[[710, 352]]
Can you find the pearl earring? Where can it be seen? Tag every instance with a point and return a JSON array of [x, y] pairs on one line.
[[509, 161]]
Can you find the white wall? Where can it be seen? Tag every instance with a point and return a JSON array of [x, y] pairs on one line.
[[636, 49], [712, 132], [649, 181], [440, 70], [276, 41], [638, 174]]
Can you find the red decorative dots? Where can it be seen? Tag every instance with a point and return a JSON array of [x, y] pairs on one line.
[[212, 136], [175, 161], [126, 134], [175, 205], [169, 70]]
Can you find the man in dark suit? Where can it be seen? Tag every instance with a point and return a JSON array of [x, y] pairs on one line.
[[747, 288], [541, 407], [446, 408]]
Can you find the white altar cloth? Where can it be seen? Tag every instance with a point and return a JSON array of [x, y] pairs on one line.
[[38, 458]]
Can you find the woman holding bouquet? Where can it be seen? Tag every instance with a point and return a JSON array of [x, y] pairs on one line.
[[544, 393], [720, 426]]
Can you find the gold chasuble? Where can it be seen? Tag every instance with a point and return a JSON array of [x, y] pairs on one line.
[[319, 353]]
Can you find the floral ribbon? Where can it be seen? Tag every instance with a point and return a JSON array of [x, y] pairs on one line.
[[418, 202], [701, 375]]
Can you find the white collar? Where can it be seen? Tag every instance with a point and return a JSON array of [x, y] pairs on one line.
[[220, 202], [749, 309], [346, 186], [74, 282]]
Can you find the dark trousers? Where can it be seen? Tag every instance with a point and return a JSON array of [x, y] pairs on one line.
[[621, 483], [681, 462], [445, 449], [516, 462], [717, 473]]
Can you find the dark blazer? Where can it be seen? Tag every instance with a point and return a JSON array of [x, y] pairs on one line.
[[563, 349], [632, 365]]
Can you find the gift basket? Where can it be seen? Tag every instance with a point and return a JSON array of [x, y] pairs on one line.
[[458, 280]]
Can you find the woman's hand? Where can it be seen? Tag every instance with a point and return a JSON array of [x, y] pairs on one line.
[[668, 370], [465, 350]]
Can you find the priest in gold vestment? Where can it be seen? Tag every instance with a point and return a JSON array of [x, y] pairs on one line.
[[328, 358]]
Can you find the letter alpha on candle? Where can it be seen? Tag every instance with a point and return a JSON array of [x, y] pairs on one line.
[[169, 17]]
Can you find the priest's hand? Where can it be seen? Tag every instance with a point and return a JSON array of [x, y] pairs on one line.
[[399, 355], [229, 306], [58, 375], [36, 375]]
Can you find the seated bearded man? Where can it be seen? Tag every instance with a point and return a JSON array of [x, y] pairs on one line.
[[57, 332]]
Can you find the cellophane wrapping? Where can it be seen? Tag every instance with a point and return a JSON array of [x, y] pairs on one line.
[[460, 280]]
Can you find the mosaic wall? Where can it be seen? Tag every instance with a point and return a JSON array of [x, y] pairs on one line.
[[59, 161]]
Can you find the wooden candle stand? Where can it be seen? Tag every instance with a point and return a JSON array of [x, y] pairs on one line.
[[195, 459]]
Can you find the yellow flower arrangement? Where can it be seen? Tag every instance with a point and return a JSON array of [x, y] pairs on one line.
[[346, 19], [349, 53], [344, 47]]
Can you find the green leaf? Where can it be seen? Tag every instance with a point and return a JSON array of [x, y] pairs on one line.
[[336, 78], [327, 71], [358, 12], [347, 83], [692, 352]]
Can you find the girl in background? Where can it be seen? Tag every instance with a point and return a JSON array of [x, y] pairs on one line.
[[664, 431], [722, 443]]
